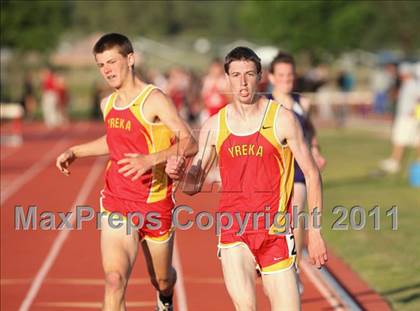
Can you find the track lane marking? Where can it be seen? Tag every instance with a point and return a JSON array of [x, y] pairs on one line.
[[62, 236]]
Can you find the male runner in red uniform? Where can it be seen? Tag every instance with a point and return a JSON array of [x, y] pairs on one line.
[[257, 140], [141, 126]]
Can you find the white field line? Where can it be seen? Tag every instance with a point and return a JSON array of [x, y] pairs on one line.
[[62, 236]]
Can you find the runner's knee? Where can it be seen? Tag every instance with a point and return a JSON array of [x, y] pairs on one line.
[[166, 282], [244, 304], [243, 298], [114, 281]]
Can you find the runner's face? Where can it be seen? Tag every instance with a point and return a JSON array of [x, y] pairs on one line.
[[114, 67], [243, 80], [282, 78]]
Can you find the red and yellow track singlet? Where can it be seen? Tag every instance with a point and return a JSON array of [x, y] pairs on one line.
[[256, 171], [128, 131]]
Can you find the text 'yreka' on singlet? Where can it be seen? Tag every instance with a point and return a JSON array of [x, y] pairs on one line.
[[256, 169], [128, 131]]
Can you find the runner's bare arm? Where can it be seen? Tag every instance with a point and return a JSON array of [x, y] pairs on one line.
[[314, 144], [166, 112], [201, 163], [316, 153], [291, 131], [204, 159], [96, 147], [159, 106]]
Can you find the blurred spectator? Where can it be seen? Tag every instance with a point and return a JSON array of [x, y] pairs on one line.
[[300, 83], [50, 99], [394, 87], [406, 131], [380, 85], [265, 87], [177, 86], [28, 96], [417, 75], [214, 92], [63, 100], [385, 85], [316, 77], [183, 87], [194, 103], [345, 83], [154, 76], [98, 92]]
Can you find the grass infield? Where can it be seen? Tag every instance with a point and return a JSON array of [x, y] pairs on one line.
[[389, 260]]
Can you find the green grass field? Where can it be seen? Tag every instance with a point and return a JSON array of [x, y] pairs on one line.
[[389, 260]]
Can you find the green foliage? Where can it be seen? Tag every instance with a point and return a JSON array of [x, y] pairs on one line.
[[129, 17], [38, 25], [335, 26], [156, 18], [313, 26], [398, 22], [33, 25]]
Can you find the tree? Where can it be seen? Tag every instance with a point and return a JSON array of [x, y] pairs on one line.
[[157, 18], [33, 25], [335, 26]]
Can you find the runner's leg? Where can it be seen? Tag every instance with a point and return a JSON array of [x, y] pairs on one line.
[[238, 266], [119, 252], [158, 257], [282, 290]]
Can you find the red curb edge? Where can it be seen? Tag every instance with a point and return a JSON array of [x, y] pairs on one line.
[[359, 290]]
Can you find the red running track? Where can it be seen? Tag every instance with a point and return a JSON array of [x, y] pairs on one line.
[[61, 269]]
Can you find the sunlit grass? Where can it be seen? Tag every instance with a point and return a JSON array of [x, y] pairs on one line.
[[389, 260]]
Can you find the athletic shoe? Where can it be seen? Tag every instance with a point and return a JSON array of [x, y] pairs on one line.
[[160, 306], [390, 166]]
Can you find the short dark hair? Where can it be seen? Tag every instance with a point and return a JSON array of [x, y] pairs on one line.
[[111, 40], [242, 53], [282, 58]]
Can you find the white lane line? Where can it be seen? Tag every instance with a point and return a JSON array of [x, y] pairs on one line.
[[180, 294], [323, 289], [35, 169], [92, 305], [58, 243], [100, 281], [341, 292], [5, 155], [11, 152]]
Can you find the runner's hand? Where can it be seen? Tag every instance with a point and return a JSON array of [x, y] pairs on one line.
[[320, 161], [316, 248], [175, 167], [135, 164], [64, 160]]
